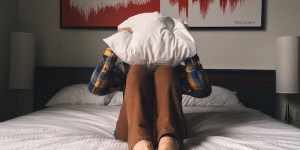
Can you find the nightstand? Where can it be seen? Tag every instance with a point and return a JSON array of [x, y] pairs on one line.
[[294, 112]]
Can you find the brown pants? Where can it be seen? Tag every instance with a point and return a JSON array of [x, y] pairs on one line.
[[151, 107]]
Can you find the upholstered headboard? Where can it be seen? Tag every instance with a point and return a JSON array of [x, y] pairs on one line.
[[255, 88]]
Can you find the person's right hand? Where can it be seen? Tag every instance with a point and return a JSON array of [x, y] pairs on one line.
[[128, 29]]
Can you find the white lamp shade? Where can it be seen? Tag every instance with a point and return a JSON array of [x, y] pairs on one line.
[[22, 59], [287, 64]]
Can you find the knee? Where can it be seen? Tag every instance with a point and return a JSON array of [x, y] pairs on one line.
[[138, 73], [166, 74]]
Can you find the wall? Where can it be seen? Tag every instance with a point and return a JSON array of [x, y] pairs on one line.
[[9, 16], [230, 49]]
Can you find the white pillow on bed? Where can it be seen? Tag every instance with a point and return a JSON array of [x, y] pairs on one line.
[[117, 99], [78, 94], [220, 97], [156, 40]]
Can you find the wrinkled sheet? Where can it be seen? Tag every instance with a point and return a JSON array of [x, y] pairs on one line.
[[79, 127]]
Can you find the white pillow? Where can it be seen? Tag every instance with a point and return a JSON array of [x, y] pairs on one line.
[[220, 97], [156, 40], [117, 99], [78, 94]]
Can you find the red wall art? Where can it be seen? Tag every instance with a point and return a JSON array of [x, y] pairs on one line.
[[198, 13]]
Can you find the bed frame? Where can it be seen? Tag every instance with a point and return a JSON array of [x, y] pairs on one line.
[[255, 88]]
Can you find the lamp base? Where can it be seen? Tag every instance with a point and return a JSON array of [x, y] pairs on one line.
[[284, 103], [25, 99]]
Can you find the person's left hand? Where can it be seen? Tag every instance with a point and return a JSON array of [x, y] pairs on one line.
[[128, 29]]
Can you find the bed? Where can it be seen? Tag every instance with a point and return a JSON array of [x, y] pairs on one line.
[[239, 115]]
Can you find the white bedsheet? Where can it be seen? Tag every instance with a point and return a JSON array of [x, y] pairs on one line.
[[91, 127]]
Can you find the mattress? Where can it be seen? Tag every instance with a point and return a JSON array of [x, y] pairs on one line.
[[68, 126]]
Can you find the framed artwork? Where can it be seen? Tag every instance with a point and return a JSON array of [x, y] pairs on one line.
[[198, 13]]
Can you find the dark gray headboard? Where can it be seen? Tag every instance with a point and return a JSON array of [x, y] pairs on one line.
[[255, 88]]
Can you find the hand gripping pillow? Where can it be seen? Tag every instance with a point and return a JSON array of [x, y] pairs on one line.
[[156, 40]]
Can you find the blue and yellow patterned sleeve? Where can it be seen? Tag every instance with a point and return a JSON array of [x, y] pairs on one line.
[[108, 76], [194, 80]]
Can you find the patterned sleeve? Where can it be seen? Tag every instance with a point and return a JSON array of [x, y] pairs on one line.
[[194, 80], [108, 76]]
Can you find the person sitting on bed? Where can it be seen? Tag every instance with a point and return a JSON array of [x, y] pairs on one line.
[[151, 113]]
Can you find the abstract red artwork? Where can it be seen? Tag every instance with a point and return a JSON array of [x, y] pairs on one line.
[[198, 13]]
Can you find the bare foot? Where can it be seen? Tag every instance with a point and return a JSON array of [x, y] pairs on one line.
[[143, 145], [168, 143]]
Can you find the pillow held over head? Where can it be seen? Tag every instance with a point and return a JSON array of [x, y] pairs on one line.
[[156, 40]]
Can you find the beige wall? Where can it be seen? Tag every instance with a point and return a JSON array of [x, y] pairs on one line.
[[229, 49], [9, 17]]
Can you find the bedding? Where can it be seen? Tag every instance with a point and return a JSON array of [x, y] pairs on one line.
[[76, 119], [90, 126], [155, 40]]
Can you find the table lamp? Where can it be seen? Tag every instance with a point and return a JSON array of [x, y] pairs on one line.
[[22, 60], [287, 68]]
